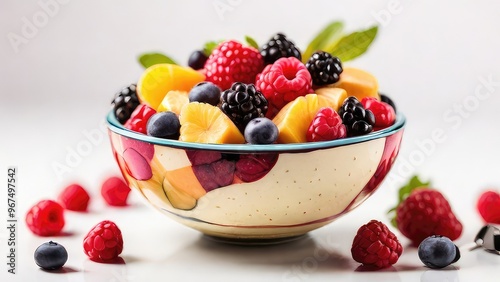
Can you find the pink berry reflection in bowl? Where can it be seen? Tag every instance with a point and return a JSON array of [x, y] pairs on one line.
[[248, 192]]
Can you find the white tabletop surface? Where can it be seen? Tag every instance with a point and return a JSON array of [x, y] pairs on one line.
[[434, 58]]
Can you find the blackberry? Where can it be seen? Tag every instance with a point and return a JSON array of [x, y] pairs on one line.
[[279, 47], [356, 118], [242, 103], [384, 98], [125, 103], [324, 68]]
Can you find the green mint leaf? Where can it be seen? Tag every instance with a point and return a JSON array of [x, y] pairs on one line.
[[150, 59], [251, 42], [393, 222], [325, 39], [413, 184], [353, 45], [404, 192], [210, 46]]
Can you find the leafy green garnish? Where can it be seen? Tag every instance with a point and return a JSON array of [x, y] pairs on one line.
[[326, 38], [404, 192], [210, 46], [150, 59], [251, 42], [353, 45]]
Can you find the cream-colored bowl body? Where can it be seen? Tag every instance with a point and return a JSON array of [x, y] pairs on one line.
[[255, 191]]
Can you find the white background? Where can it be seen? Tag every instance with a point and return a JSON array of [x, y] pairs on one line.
[[56, 86]]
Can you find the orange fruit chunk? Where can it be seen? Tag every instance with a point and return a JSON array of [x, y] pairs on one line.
[[335, 95], [204, 123], [157, 80], [174, 101], [294, 118], [358, 83]]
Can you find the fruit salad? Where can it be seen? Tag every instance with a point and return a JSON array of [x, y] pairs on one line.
[[223, 93], [232, 92]]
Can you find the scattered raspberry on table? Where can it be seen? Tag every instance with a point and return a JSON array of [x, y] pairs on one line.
[[46, 218], [74, 197], [426, 212], [488, 206], [104, 242], [115, 191], [375, 245]]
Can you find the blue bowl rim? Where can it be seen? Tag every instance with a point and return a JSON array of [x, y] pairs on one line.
[[115, 126]]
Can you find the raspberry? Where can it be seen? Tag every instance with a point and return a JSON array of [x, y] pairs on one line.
[[243, 103], [104, 242], [356, 118], [426, 212], [383, 112], [279, 47], [375, 245], [46, 218], [324, 68], [74, 198], [282, 82], [115, 191], [326, 125], [139, 119], [125, 103], [232, 62], [488, 206], [384, 98]]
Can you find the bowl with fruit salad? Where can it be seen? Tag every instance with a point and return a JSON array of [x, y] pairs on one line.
[[255, 144]]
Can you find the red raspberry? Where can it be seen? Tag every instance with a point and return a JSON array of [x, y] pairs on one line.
[[74, 198], [232, 62], [46, 218], [104, 242], [375, 245], [426, 212], [115, 191], [326, 125], [282, 82], [488, 206], [139, 118], [383, 112]]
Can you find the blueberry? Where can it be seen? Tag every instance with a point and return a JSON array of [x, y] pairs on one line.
[[197, 60], [205, 92], [261, 131], [438, 251], [164, 125], [50, 255]]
